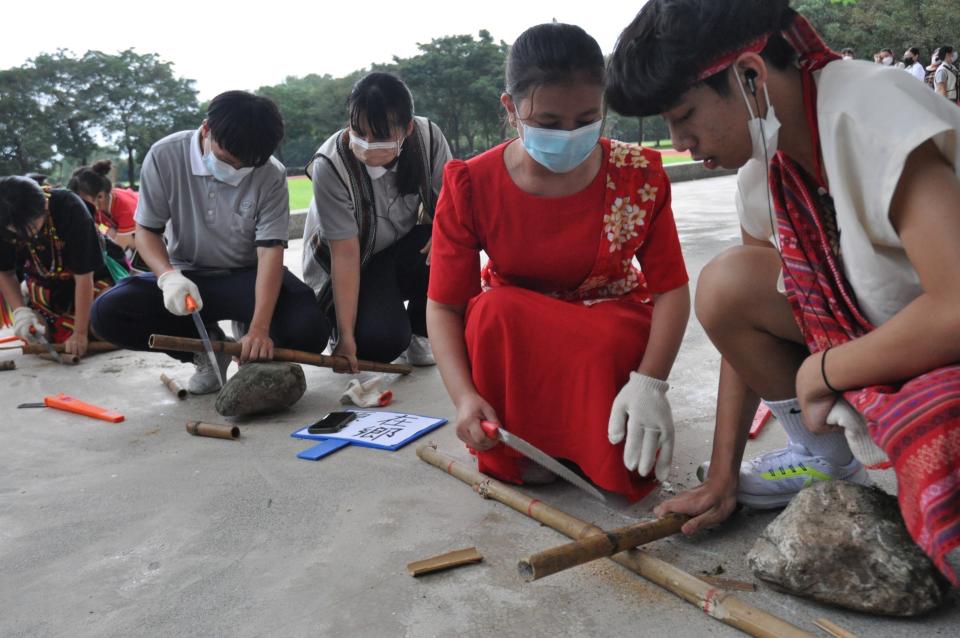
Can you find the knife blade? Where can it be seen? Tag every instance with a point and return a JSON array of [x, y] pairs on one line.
[[537, 455], [204, 337], [42, 342]]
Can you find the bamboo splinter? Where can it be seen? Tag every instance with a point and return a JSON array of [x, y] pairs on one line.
[[183, 344], [557, 559], [716, 602]]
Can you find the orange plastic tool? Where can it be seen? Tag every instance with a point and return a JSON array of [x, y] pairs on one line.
[[759, 420], [10, 338], [69, 404]]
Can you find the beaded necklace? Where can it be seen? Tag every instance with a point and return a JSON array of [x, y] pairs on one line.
[[34, 245]]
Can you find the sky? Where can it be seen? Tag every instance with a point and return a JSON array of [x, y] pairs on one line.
[[246, 45]]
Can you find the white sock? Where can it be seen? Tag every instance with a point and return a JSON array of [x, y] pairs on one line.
[[832, 446]]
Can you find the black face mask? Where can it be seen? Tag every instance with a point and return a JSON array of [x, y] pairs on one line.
[[908, 61]]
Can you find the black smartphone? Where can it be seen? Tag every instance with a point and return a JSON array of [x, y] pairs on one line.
[[332, 423]]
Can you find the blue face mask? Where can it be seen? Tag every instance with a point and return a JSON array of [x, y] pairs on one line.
[[560, 151]]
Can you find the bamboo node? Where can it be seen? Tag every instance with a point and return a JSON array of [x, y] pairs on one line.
[[483, 489]]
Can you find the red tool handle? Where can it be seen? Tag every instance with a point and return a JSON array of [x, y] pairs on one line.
[[191, 304], [491, 429]]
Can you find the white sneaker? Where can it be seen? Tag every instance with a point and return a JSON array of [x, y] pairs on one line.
[[419, 352], [771, 480], [204, 380]]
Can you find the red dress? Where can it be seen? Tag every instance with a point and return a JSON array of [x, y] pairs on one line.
[[560, 315]]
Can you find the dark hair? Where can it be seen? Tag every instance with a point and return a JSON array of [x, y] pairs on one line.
[[915, 51], [387, 104], [22, 201], [552, 53], [384, 100], [847, 51], [659, 55], [890, 51], [247, 126], [39, 178], [944, 50], [92, 180]]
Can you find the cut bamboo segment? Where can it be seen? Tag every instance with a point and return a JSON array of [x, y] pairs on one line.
[[179, 391], [445, 561], [214, 430], [716, 602], [834, 630], [8, 365], [556, 559]]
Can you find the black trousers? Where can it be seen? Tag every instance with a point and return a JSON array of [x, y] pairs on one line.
[[393, 276], [131, 311]]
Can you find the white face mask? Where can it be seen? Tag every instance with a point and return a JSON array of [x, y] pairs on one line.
[[221, 171], [764, 131], [886, 61], [363, 144]]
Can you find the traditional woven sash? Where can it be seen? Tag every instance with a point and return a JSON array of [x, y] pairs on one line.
[[917, 422]]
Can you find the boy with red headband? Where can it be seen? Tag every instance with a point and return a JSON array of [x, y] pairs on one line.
[[842, 308]]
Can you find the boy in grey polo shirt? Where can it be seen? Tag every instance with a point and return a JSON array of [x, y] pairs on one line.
[[212, 224]]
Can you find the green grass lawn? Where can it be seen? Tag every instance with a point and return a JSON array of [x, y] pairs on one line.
[[300, 191]]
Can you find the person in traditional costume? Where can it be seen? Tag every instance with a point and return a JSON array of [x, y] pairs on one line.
[[51, 234], [367, 235], [568, 336], [841, 309]]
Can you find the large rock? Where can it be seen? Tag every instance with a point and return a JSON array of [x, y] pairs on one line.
[[846, 545], [261, 388]]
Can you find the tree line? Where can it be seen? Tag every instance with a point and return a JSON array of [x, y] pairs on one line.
[[58, 110]]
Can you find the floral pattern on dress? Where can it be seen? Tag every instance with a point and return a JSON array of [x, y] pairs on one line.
[[627, 155], [623, 222], [648, 193], [631, 196]]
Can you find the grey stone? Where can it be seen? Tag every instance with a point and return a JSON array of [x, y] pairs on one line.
[[846, 545], [262, 388]]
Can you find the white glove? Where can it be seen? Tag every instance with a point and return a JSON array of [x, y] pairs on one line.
[[858, 436], [367, 394], [175, 289], [23, 320], [642, 413]]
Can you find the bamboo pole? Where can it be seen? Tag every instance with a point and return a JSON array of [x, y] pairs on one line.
[[561, 557], [92, 348], [718, 603], [214, 430], [183, 344], [179, 391]]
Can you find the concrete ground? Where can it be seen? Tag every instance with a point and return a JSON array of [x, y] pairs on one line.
[[140, 529]]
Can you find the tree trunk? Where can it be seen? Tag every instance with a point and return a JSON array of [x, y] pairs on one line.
[[131, 185]]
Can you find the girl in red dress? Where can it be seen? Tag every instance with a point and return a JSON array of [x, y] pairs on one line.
[[563, 339]]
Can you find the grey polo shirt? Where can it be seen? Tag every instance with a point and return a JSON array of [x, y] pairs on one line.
[[332, 207], [210, 225]]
